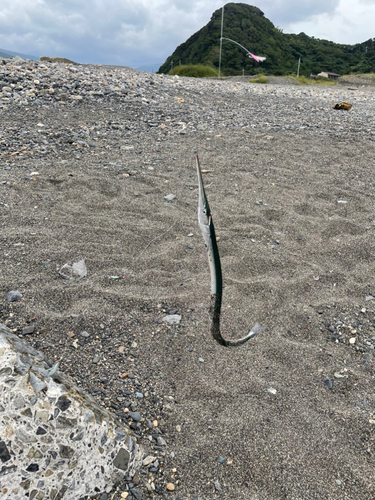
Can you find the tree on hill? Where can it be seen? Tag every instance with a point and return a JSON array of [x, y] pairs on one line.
[[248, 26]]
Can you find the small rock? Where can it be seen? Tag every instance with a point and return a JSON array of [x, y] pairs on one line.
[[352, 340], [217, 486], [161, 441], [271, 390], [28, 330], [170, 487], [135, 415], [85, 334], [221, 460], [328, 383], [36, 383], [148, 460], [170, 197], [172, 319], [13, 296]]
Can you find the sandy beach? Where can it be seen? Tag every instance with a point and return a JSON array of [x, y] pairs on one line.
[[289, 415]]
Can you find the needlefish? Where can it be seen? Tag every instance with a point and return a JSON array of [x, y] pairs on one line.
[[209, 237]]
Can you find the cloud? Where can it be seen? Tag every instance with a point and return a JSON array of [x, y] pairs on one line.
[[283, 12], [350, 23]]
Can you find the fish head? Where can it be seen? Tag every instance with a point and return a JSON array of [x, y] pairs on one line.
[[204, 212]]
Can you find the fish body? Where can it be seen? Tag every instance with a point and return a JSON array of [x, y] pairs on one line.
[[209, 237]]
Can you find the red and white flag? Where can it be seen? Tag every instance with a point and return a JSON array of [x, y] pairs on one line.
[[257, 58]]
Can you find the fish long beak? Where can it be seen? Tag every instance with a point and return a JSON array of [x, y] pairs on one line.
[[204, 213], [202, 198]]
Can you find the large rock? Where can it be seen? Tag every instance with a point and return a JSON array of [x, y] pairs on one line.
[[56, 442]]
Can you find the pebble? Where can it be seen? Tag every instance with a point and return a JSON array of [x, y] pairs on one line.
[[135, 415], [148, 460], [161, 441], [170, 487], [170, 197], [338, 375], [28, 330], [172, 319], [328, 383], [272, 390], [13, 296], [217, 486]]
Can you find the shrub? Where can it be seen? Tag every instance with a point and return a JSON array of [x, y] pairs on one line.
[[260, 79], [321, 80], [194, 70]]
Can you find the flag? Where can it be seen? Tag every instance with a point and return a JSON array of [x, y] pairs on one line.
[[257, 58]]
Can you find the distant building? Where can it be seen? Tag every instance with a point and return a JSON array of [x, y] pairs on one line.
[[326, 74]]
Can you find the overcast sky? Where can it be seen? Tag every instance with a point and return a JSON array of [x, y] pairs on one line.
[[140, 32]]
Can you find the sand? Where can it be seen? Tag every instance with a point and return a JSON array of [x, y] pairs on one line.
[[294, 257]]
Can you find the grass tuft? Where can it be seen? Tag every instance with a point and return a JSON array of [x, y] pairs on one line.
[[194, 71], [260, 79], [321, 80]]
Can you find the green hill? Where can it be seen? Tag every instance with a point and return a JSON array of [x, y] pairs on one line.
[[247, 25]]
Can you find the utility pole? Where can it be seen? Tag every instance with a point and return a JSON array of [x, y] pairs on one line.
[[299, 62], [221, 38]]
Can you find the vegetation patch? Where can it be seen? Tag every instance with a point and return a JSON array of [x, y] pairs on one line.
[[321, 80], [194, 71], [260, 79], [57, 60]]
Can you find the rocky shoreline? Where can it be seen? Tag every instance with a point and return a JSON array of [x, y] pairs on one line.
[[166, 105]]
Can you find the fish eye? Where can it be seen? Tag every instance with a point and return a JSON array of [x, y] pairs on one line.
[[205, 211]]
